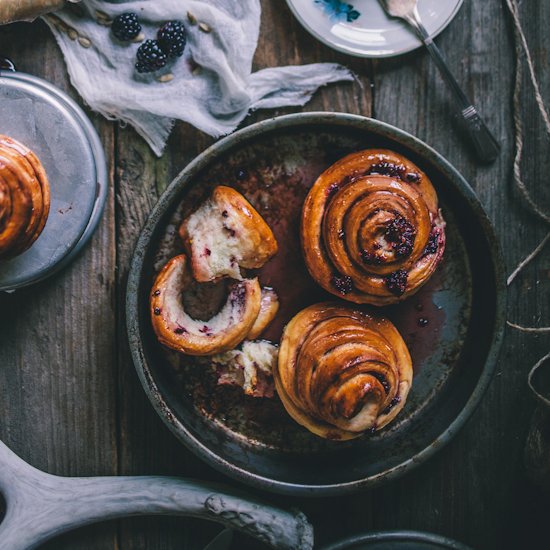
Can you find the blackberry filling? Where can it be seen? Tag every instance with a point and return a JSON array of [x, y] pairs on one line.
[[371, 258], [433, 244], [392, 404], [396, 282], [342, 283], [394, 171], [401, 234]]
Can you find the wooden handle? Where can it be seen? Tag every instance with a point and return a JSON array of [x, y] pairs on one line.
[[20, 10], [41, 506]]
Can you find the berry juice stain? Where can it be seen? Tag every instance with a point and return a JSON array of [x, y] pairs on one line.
[[419, 321]]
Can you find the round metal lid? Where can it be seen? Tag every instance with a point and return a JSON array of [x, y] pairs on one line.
[[50, 123]]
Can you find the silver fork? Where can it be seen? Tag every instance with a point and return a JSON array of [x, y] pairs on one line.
[[485, 144]]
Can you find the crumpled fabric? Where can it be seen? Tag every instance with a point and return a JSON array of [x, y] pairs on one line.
[[213, 87]]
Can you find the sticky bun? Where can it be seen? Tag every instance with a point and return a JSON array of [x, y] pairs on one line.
[[342, 372], [24, 197], [371, 228], [224, 235], [176, 329]]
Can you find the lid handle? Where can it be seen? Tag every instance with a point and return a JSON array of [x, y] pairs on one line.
[[6, 64]]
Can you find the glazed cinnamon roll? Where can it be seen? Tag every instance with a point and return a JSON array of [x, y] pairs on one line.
[[371, 229], [342, 372], [224, 235], [24, 197], [176, 329]]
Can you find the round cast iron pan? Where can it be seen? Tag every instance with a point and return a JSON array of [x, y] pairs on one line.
[[453, 326]]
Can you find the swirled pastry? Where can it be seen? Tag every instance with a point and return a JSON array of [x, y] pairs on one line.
[[24, 197], [176, 329], [371, 228], [342, 372], [225, 234]]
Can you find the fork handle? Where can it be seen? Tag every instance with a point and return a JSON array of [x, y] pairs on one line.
[[485, 144]]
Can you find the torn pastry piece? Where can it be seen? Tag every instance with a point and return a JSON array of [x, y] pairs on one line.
[[250, 367], [176, 329], [24, 197], [224, 235], [268, 309], [371, 229], [342, 372]]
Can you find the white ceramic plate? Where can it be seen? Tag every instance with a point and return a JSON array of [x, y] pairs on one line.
[[361, 28]]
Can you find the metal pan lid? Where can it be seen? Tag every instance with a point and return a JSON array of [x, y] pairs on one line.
[[50, 123]]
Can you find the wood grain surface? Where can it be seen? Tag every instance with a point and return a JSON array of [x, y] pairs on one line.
[[71, 402]]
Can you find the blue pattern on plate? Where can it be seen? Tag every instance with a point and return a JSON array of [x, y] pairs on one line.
[[338, 10]]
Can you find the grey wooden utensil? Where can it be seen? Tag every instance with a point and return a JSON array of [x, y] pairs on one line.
[[485, 144], [40, 506]]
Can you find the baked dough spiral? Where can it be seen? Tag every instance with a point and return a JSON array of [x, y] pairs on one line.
[[342, 372], [371, 228], [176, 329], [224, 235], [24, 197]]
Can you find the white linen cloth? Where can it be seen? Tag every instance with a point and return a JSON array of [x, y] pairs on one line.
[[215, 98]]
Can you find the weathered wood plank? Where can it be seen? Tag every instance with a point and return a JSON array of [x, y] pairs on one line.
[[475, 490], [529, 297], [57, 339]]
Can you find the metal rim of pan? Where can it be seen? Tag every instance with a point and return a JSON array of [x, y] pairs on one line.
[[398, 539]]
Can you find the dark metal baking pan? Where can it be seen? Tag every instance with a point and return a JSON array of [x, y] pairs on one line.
[[453, 326]]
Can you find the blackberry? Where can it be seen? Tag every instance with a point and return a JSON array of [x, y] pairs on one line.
[[402, 236], [126, 26], [150, 57], [172, 38], [342, 283], [396, 282]]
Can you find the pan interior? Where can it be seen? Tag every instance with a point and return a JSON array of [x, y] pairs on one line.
[[448, 325]]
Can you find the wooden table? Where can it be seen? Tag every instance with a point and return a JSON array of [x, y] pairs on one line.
[[71, 402]]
